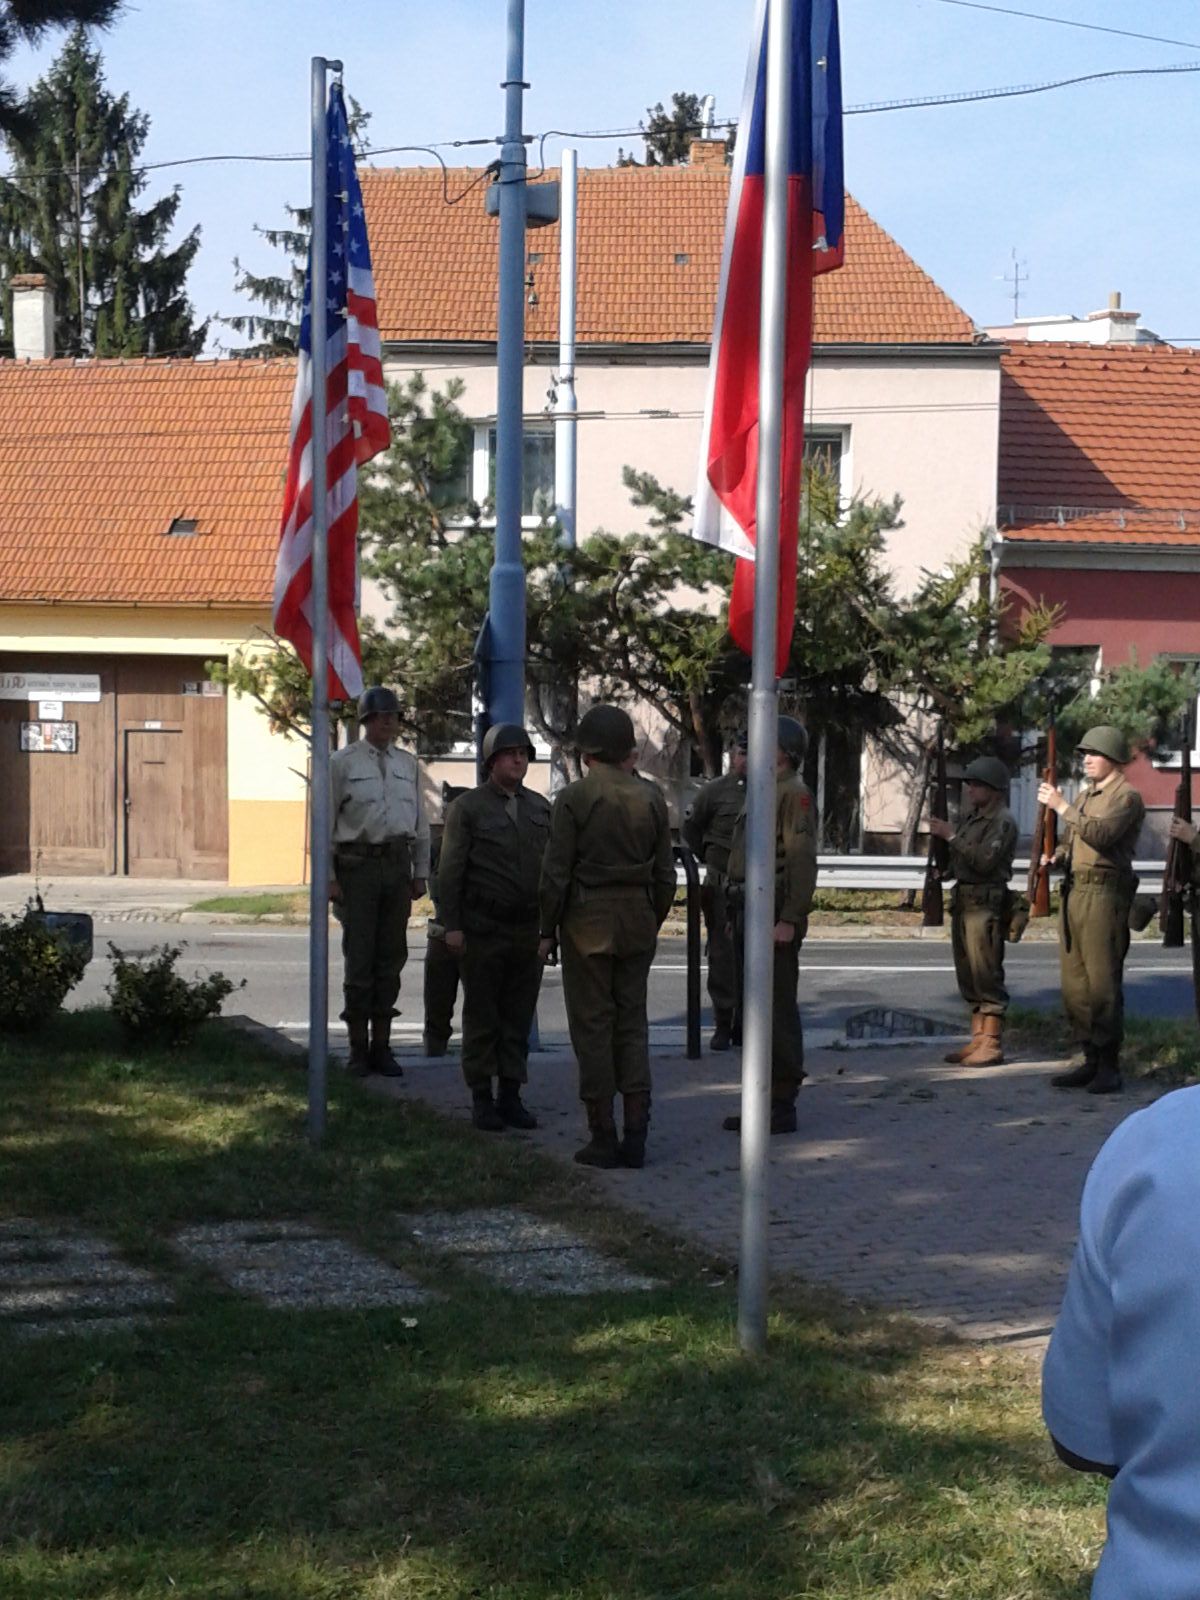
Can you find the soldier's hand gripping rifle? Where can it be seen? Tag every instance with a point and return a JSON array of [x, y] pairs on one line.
[[1045, 837], [933, 912], [1178, 890]]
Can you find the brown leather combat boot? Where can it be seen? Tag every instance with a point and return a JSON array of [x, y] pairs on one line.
[[988, 1050], [961, 1054]]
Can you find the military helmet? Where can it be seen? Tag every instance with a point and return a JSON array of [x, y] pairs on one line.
[[792, 738], [605, 731], [1105, 741], [377, 701], [505, 736], [989, 770]]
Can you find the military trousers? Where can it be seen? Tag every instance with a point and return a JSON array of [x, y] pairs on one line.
[[607, 942], [441, 987], [977, 937], [1093, 943], [787, 1031], [724, 985], [375, 905], [501, 976]]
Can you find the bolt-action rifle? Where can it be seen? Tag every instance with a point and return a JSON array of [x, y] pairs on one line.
[[1045, 837], [933, 911], [1178, 891]]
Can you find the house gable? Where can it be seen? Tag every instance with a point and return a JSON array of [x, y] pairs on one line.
[[649, 245]]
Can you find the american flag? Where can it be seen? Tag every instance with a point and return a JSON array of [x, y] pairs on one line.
[[726, 510], [357, 426]]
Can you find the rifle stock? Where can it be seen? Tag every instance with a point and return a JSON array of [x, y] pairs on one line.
[[1045, 837], [933, 905]]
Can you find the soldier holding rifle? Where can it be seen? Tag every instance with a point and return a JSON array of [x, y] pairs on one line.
[[1098, 889], [708, 832], [981, 853]]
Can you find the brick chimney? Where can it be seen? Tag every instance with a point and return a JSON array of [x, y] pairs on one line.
[[706, 153], [32, 317]]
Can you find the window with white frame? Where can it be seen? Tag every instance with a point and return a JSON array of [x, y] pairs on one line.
[[1169, 757], [828, 450], [474, 476]]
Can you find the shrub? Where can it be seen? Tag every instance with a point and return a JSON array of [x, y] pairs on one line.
[[38, 968], [154, 1004]]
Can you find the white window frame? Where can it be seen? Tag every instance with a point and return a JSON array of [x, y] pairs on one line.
[[480, 467], [839, 434], [1174, 761]]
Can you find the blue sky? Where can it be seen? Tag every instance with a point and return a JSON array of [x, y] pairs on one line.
[[1095, 186]]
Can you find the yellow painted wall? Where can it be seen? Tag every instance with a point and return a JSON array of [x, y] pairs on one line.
[[265, 771]]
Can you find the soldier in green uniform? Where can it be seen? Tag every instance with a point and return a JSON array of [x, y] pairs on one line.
[[1098, 889], [708, 831], [795, 883], [441, 964], [488, 875], [608, 881], [380, 861], [981, 859]]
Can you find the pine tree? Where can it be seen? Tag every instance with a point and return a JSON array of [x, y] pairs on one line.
[[70, 212], [275, 331], [29, 20], [669, 134]]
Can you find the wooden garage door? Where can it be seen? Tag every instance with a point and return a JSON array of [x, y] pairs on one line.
[[154, 802]]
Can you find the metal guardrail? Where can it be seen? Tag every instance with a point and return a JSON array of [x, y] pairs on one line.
[[908, 872]]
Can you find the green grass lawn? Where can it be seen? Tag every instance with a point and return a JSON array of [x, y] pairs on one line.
[[1162, 1050], [613, 1445]]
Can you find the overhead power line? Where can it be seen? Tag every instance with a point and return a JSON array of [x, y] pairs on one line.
[[1069, 22]]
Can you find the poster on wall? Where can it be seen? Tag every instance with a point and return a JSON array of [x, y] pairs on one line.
[[50, 738]]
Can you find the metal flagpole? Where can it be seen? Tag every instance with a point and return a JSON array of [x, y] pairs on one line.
[[506, 595], [764, 701], [566, 425], [318, 942]]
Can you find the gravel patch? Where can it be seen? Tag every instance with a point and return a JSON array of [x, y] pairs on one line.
[[293, 1267], [523, 1252]]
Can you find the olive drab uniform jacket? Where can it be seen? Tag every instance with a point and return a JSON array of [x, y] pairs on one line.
[[491, 858], [608, 830], [982, 851], [1103, 825], [708, 827], [795, 850], [981, 860], [1098, 890]]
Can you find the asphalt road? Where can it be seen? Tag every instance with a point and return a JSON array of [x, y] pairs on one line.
[[838, 977]]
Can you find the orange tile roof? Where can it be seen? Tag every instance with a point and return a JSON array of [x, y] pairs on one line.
[[97, 458], [1100, 443], [435, 264]]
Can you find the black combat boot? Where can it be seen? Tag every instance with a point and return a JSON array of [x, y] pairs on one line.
[[433, 1045], [358, 1064], [602, 1149], [637, 1123], [483, 1109], [512, 1109], [1108, 1078], [722, 1035], [382, 1059], [783, 1118], [1079, 1077]]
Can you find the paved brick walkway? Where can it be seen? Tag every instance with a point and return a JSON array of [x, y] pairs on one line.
[[948, 1193]]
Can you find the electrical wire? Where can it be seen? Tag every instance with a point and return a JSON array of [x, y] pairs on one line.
[[1068, 22]]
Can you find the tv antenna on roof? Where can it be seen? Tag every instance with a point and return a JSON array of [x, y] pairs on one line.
[[1018, 276]]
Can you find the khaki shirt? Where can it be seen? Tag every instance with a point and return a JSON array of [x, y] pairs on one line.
[[376, 796], [608, 830], [795, 849], [708, 826], [982, 850], [1103, 827], [491, 858]]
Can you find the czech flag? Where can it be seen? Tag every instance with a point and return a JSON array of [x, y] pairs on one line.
[[728, 481]]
